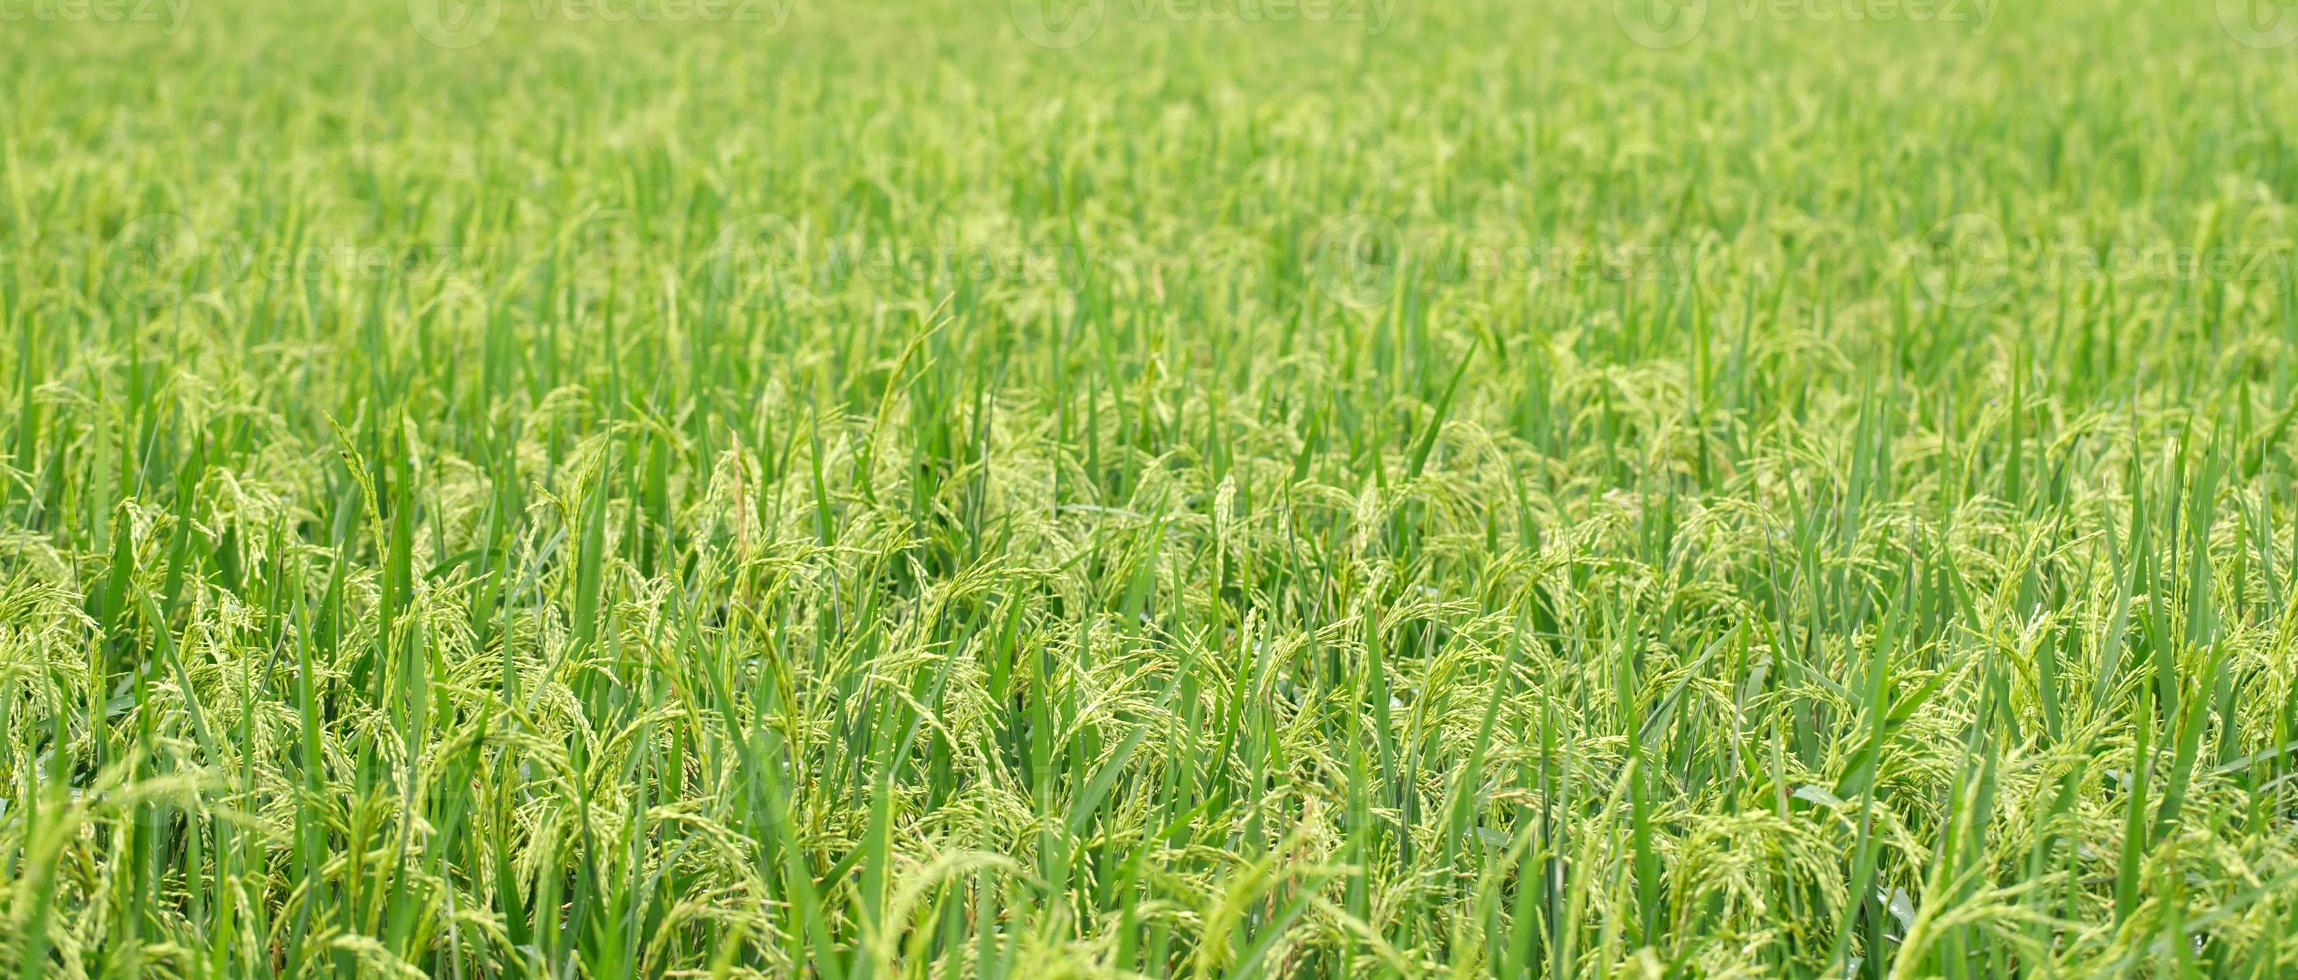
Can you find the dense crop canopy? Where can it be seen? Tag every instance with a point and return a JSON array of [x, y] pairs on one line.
[[1354, 488]]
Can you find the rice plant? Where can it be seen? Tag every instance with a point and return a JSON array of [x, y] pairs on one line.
[[1370, 488]]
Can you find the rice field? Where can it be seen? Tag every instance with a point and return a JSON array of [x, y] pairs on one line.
[[1108, 488]]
